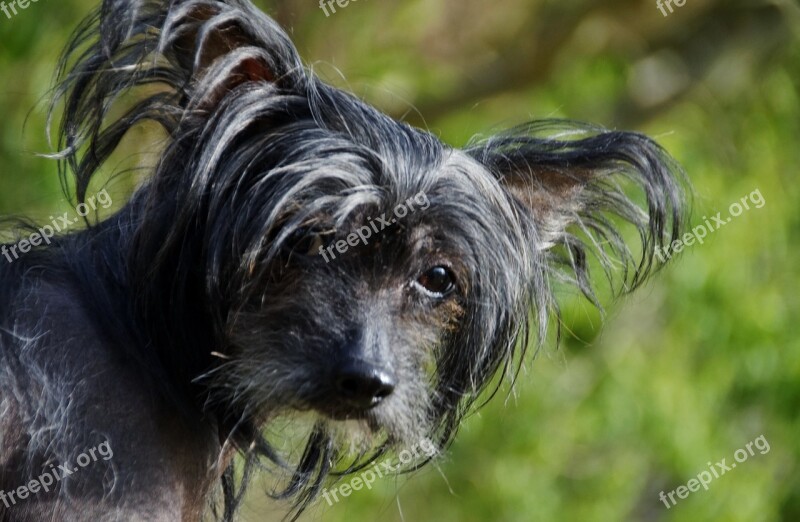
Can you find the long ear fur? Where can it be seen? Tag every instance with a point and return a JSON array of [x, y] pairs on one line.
[[575, 185], [182, 62], [188, 54]]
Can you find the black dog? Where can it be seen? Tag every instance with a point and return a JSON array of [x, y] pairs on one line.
[[295, 252]]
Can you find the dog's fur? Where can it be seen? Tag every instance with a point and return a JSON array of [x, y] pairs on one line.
[[187, 326]]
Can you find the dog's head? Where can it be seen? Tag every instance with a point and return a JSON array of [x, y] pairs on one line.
[[297, 250]]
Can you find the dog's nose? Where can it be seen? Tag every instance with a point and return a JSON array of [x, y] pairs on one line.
[[363, 385]]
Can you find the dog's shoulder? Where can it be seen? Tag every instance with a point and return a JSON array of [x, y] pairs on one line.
[[65, 389]]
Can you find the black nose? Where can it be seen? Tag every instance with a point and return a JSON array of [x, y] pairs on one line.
[[363, 385]]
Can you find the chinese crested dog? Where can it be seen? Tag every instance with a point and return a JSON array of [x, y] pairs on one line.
[[297, 266]]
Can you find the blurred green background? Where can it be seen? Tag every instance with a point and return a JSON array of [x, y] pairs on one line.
[[702, 361]]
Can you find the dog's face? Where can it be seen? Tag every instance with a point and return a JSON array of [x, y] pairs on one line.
[[379, 296], [297, 250]]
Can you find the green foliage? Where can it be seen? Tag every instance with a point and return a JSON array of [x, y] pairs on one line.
[[700, 362]]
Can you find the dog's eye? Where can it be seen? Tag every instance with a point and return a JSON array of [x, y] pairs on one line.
[[438, 281], [304, 242], [312, 245]]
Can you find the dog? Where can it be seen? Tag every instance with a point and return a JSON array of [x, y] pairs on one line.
[[296, 263]]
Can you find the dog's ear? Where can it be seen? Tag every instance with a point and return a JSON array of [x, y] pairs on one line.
[[224, 45], [178, 57], [576, 189], [551, 193]]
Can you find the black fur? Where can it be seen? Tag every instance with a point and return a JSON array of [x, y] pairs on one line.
[[205, 297]]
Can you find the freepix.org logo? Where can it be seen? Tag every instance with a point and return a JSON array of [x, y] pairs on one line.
[[376, 226], [50, 479], [424, 450], [60, 224], [709, 226], [10, 9], [715, 470]]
